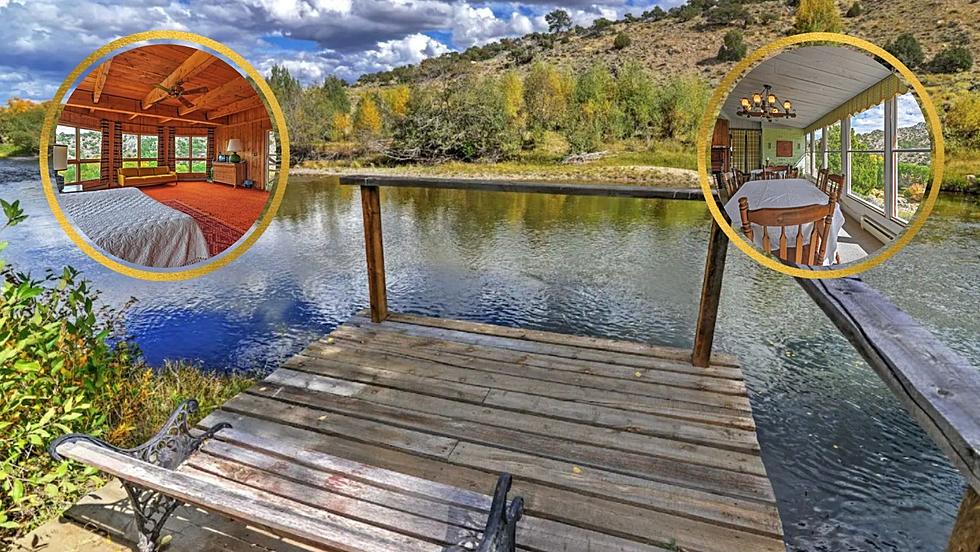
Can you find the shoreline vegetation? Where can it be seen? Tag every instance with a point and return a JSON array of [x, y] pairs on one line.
[[66, 366]]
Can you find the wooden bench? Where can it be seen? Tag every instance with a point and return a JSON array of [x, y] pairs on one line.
[[170, 470]]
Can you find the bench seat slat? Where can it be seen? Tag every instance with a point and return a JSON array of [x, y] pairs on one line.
[[249, 505]]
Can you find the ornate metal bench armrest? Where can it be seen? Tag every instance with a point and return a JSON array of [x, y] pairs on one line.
[[500, 534], [168, 449]]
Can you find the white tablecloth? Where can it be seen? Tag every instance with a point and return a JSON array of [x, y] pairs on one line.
[[783, 193], [131, 225]]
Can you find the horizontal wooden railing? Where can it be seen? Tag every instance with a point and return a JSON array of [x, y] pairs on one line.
[[374, 248], [562, 188], [937, 386]]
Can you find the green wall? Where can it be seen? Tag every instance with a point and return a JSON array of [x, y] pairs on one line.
[[769, 137]]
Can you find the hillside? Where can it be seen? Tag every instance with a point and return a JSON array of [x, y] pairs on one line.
[[671, 45]]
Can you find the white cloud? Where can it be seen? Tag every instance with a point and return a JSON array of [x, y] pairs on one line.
[[44, 39], [476, 26]]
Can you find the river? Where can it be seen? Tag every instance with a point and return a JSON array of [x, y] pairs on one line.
[[850, 468]]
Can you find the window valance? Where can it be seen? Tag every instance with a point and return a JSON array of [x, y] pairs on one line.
[[885, 89]]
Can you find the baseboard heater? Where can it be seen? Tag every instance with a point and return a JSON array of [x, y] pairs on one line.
[[876, 229]]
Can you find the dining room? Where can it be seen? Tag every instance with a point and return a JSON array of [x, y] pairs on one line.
[[823, 154]]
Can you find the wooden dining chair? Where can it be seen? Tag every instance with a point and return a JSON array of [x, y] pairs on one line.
[[820, 216], [834, 184], [726, 183], [822, 180]]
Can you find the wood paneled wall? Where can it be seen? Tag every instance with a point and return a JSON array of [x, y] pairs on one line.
[[252, 128]]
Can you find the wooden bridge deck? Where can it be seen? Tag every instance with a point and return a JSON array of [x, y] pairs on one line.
[[615, 446]]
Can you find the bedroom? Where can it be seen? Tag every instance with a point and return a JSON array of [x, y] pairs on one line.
[[164, 155]]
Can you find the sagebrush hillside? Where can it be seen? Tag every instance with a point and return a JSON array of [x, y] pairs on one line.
[[671, 44]]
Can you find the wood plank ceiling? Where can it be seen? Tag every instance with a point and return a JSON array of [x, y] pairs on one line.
[[815, 78], [122, 88]]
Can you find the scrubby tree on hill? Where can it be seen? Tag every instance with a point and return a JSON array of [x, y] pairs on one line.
[[907, 49], [558, 21], [733, 47], [622, 40], [953, 59]]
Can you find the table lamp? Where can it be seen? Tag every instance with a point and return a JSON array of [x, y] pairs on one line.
[[234, 146], [59, 162]]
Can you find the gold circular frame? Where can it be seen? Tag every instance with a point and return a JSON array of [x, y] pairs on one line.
[[714, 107], [51, 119]]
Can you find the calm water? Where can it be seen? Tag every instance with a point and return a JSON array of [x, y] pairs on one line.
[[851, 470]]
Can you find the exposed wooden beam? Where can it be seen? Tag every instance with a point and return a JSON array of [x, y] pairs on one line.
[[204, 101], [194, 64], [234, 107], [101, 74], [133, 116], [166, 120], [116, 104]]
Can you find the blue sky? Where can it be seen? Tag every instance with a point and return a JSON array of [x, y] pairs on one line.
[[909, 114], [44, 39]]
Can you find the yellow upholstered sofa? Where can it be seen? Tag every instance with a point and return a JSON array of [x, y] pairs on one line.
[[146, 176]]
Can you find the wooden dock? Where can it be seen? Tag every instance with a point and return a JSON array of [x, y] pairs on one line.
[[615, 446]]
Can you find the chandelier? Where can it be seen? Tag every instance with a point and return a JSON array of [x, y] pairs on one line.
[[765, 104]]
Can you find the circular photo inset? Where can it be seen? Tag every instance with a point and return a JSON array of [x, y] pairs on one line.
[[821, 156], [164, 157]]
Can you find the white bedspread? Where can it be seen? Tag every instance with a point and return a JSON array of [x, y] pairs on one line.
[[131, 225], [782, 193]]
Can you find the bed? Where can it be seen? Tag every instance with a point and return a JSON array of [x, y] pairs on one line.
[[134, 227]]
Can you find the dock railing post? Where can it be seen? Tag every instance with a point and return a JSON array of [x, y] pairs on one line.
[[374, 251], [966, 530], [714, 270]]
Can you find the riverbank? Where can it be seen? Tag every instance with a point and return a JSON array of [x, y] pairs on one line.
[[666, 177]]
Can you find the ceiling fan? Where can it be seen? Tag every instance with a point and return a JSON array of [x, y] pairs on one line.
[[178, 92]]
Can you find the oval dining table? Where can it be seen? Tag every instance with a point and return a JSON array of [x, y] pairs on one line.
[[782, 193]]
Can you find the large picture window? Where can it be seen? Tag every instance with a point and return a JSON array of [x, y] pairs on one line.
[[913, 156], [886, 159], [191, 154], [84, 153], [866, 149], [139, 150]]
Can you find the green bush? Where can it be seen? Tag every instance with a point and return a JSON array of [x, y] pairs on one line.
[[815, 16], [65, 367], [680, 102], [622, 40], [907, 49], [954, 59], [463, 120], [733, 47], [855, 10]]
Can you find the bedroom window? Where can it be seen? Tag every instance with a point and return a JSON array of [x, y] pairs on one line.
[[139, 150], [84, 153], [191, 154]]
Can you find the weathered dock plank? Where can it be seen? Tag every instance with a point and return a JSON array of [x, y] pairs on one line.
[[403, 425]]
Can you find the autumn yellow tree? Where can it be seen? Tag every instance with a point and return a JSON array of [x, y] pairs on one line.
[[367, 119], [512, 88], [340, 127], [818, 16], [396, 100], [547, 91]]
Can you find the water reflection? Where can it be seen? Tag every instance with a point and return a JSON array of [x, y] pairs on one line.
[[851, 470]]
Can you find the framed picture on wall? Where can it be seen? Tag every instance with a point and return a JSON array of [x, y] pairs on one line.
[[784, 148]]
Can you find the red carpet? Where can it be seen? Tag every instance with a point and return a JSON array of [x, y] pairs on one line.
[[219, 235], [238, 208]]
